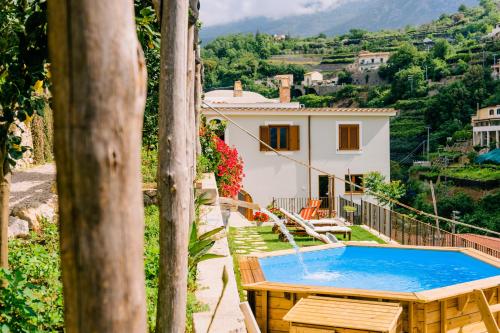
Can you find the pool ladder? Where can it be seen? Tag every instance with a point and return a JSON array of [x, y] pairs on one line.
[[487, 311]]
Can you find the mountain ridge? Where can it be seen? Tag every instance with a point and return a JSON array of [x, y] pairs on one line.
[[371, 15]]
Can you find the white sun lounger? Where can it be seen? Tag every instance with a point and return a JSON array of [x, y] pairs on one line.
[[320, 230]]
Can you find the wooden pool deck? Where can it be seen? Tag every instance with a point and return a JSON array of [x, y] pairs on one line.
[[451, 309]]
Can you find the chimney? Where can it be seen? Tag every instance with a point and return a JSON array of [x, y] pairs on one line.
[[238, 90], [285, 95]]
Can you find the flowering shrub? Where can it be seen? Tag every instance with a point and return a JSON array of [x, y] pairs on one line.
[[222, 160], [260, 217], [229, 171], [276, 211]]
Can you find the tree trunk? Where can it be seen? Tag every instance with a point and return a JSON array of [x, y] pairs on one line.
[[5, 177], [195, 12], [173, 173], [99, 96]]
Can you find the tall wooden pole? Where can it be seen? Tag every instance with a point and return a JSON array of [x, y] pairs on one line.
[[99, 91], [173, 168]]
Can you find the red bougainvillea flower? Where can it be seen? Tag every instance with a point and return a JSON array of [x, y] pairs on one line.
[[230, 169], [260, 217]]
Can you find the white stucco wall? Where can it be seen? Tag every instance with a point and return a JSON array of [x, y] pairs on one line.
[[268, 176]]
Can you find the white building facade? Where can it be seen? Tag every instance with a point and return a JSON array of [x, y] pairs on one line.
[[486, 127], [341, 142], [368, 61]]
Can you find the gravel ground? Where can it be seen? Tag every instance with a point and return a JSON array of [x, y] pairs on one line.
[[32, 185]]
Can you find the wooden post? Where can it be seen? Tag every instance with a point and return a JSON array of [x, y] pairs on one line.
[[435, 209], [174, 192], [99, 87], [331, 194], [444, 315], [5, 178]]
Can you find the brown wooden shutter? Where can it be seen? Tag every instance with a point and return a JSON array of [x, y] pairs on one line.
[[354, 137], [264, 136], [294, 138], [343, 137]]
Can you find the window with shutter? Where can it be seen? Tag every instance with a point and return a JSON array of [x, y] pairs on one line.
[[264, 136], [280, 137], [349, 138], [294, 138]]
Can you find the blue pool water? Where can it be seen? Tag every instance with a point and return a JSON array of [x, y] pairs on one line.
[[372, 268]]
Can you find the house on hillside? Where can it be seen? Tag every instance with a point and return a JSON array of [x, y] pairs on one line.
[[495, 71], [341, 142], [368, 61], [312, 78], [486, 127], [495, 33]]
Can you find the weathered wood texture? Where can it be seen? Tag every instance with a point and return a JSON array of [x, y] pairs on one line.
[[5, 178], [174, 191], [99, 91], [456, 315], [349, 314]]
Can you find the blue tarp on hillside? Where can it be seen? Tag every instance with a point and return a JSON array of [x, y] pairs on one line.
[[491, 157]]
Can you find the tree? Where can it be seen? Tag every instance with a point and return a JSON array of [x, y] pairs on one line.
[[442, 49], [438, 69], [451, 102], [406, 56], [173, 168], [99, 85], [475, 80], [409, 83], [375, 183], [488, 5], [23, 82]]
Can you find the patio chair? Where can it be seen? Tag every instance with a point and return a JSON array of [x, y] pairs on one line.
[[302, 226], [311, 210], [327, 239]]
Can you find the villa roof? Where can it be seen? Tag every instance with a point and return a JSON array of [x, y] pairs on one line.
[[256, 110], [275, 110], [488, 241]]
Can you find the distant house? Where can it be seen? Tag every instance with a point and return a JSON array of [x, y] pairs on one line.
[[279, 37], [312, 78], [367, 61], [342, 142], [495, 33], [486, 126], [495, 71]]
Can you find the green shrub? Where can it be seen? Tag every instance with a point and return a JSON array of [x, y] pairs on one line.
[[32, 299], [149, 166]]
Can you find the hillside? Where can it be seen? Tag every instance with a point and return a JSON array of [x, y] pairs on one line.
[[371, 15], [436, 86]]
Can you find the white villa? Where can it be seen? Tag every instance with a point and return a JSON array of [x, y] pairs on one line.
[[312, 78], [371, 60], [486, 126], [338, 141]]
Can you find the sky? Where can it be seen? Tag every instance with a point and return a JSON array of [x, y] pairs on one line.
[[214, 12]]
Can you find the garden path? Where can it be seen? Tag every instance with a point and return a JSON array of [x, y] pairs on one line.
[[32, 185], [246, 238]]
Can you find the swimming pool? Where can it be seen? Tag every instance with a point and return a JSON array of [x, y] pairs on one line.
[[435, 286], [377, 268]]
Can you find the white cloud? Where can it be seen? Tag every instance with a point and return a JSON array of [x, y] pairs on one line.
[[215, 12]]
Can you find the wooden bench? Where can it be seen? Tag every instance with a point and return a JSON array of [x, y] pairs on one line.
[[316, 314]]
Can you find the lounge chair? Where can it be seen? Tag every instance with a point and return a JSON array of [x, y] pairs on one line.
[[310, 211], [302, 226], [327, 239]]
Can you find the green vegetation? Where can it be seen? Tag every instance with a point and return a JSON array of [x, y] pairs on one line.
[[32, 299], [474, 173]]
